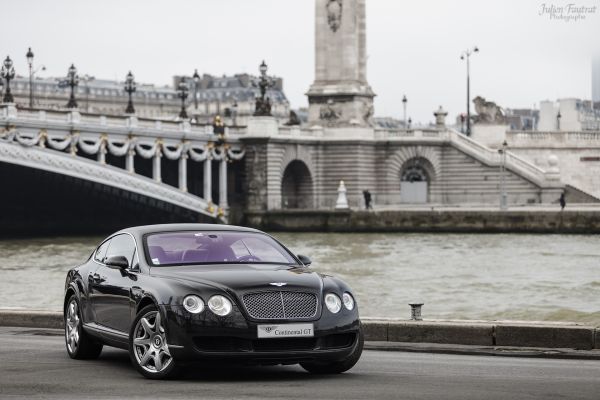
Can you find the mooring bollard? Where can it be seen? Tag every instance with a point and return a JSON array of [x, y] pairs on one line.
[[415, 311]]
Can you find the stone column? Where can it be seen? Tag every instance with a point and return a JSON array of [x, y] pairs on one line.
[[223, 183], [102, 151], [129, 160], [156, 175], [183, 172], [207, 194]]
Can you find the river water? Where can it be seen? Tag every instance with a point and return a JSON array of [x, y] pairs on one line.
[[457, 276]]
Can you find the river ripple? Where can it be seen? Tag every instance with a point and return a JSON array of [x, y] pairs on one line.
[[463, 276]]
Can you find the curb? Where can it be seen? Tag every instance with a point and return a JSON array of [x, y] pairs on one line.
[[497, 351], [493, 334]]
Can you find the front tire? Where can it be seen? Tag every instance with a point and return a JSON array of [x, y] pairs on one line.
[[337, 367], [80, 345], [148, 348]]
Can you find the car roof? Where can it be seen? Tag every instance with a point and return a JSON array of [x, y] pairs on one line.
[[146, 229]]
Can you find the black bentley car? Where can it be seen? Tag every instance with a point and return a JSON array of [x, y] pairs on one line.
[[173, 295]]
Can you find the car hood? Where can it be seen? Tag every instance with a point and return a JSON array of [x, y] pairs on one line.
[[244, 277]]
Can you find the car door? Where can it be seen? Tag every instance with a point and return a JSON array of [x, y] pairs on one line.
[[112, 286]]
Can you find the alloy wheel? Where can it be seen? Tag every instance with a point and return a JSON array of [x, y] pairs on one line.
[[72, 327], [150, 343]]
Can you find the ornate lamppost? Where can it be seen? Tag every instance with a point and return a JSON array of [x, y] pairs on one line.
[[72, 81], [219, 130], [7, 72], [182, 90], [467, 55], [196, 78], [558, 117], [263, 103], [409, 122], [404, 101], [130, 88]]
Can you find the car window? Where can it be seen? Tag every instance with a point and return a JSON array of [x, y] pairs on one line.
[[101, 251], [121, 245], [194, 247], [253, 246]]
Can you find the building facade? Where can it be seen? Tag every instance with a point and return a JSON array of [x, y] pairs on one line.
[[232, 97], [569, 114]]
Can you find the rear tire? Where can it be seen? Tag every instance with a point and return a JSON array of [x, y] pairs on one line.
[[80, 345], [148, 348], [337, 367]]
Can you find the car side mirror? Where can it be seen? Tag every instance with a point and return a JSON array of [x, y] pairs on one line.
[[304, 260], [117, 261]]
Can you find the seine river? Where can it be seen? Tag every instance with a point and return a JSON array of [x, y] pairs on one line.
[[457, 276]]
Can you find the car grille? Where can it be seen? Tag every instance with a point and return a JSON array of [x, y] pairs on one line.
[[280, 305]]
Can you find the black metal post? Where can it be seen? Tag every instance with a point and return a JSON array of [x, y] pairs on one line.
[[29, 56], [73, 81], [467, 55], [8, 72], [182, 94], [196, 77], [130, 88], [263, 104]]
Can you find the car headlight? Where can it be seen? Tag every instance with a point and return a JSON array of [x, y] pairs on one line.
[[348, 301], [220, 305], [193, 304], [333, 303]]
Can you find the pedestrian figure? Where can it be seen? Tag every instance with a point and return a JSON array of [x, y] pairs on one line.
[[562, 201], [367, 196]]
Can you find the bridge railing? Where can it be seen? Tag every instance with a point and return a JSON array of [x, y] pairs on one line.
[[577, 139]]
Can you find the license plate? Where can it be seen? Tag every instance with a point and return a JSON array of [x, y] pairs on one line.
[[285, 331]]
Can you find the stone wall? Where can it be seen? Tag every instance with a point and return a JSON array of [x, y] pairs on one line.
[[577, 153], [377, 165], [482, 221]]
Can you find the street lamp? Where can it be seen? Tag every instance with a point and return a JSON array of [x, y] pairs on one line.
[[263, 104], [29, 56], [32, 72], [182, 90], [409, 122], [196, 77], [7, 72], [404, 101], [503, 194], [467, 55], [558, 117], [130, 89], [72, 81]]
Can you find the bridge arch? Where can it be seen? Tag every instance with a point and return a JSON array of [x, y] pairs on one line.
[[84, 169], [297, 186]]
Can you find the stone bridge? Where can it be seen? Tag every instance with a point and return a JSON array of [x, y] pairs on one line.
[[126, 171], [144, 163], [296, 168]]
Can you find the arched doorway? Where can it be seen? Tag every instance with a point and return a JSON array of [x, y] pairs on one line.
[[414, 181], [296, 186]]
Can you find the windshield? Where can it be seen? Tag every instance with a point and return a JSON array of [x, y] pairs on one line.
[[210, 247]]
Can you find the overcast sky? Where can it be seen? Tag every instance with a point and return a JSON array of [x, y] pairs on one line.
[[413, 46]]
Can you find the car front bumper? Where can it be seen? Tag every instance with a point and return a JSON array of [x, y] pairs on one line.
[[234, 338]]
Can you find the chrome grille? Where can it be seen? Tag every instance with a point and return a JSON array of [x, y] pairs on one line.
[[280, 305]]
